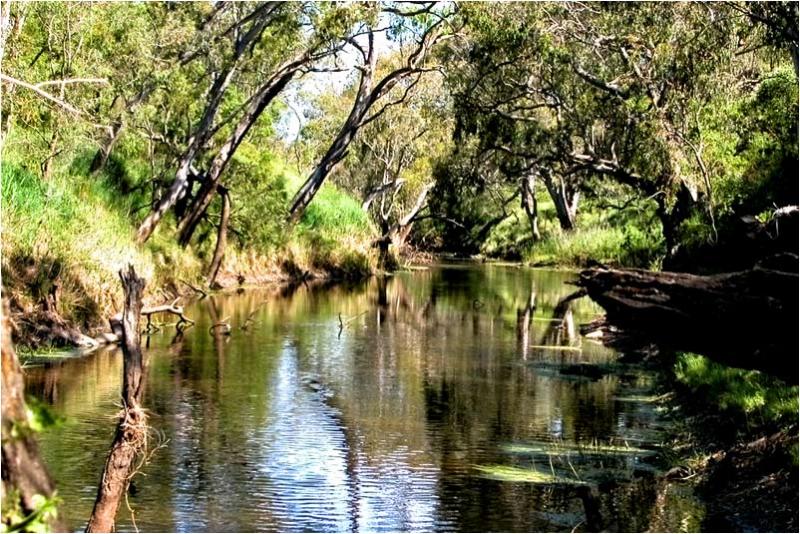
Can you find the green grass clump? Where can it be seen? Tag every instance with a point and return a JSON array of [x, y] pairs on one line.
[[334, 235], [76, 229], [750, 396], [626, 246], [579, 449], [334, 215], [627, 238], [507, 473]]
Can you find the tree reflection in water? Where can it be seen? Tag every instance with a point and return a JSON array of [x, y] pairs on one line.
[[289, 425]]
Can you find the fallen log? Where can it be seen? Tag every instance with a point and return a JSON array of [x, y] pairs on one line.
[[115, 336], [746, 319]]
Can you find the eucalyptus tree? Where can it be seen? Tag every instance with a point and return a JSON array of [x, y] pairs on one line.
[[263, 47], [418, 29], [576, 90], [390, 165], [75, 71]]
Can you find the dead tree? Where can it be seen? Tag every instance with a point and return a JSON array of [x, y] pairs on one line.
[[745, 319], [130, 439], [25, 476]]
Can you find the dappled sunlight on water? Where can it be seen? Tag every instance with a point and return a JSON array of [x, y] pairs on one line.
[[405, 403]]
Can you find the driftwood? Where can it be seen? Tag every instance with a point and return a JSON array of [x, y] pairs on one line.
[[745, 319], [196, 289], [115, 336], [131, 436], [25, 477]]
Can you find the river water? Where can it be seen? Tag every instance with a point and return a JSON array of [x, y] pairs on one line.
[[457, 398]]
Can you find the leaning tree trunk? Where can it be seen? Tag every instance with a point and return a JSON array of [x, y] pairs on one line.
[[25, 477], [399, 232], [199, 137], [222, 236], [131, 436], [259, 19], [337, 150], [265, 95], [366, 97], [746, 319]]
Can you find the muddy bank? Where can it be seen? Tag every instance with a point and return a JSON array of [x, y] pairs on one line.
[[38, 320], [753, 486]]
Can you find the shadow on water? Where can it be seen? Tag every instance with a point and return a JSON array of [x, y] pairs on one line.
[[455, 398]]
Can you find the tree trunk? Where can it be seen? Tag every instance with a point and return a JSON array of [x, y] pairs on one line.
[[25, 476], [260, 18], [265, 95], [337, 150], [745, 319], [383, 244], [47, 165], [671, 219], [101, 156], [199, 137], [379, 191], [131, 435], [222, 236], [367, 96], [401, 229], [565, 199], [528, 191]]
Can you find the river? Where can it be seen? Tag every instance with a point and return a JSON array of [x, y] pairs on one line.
[[457, 397]]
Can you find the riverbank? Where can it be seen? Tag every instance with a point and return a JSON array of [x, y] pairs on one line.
[[733, 438], [734, 441], [65, 238], [738, 441]]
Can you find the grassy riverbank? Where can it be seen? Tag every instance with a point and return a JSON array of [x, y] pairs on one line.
[[736, 441], [628, 238], [66, 237]]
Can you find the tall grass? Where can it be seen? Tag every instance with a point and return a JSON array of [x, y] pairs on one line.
[[69, 229], [80, 229]]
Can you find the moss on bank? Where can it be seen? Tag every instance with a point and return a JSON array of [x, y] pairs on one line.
[[736, 442]]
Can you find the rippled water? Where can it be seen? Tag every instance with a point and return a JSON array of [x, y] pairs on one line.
[[403, 419]]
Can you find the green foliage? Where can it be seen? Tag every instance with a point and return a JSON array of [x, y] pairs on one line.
[[76, 228], [747, 395], [258, 183], [654, 98], [41, 416], [612, 245], [13, 520], [623, 238]]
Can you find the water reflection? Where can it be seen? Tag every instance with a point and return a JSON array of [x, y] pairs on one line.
[[361, 407]]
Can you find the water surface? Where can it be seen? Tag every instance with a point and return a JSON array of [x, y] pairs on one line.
[[416, 402]]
